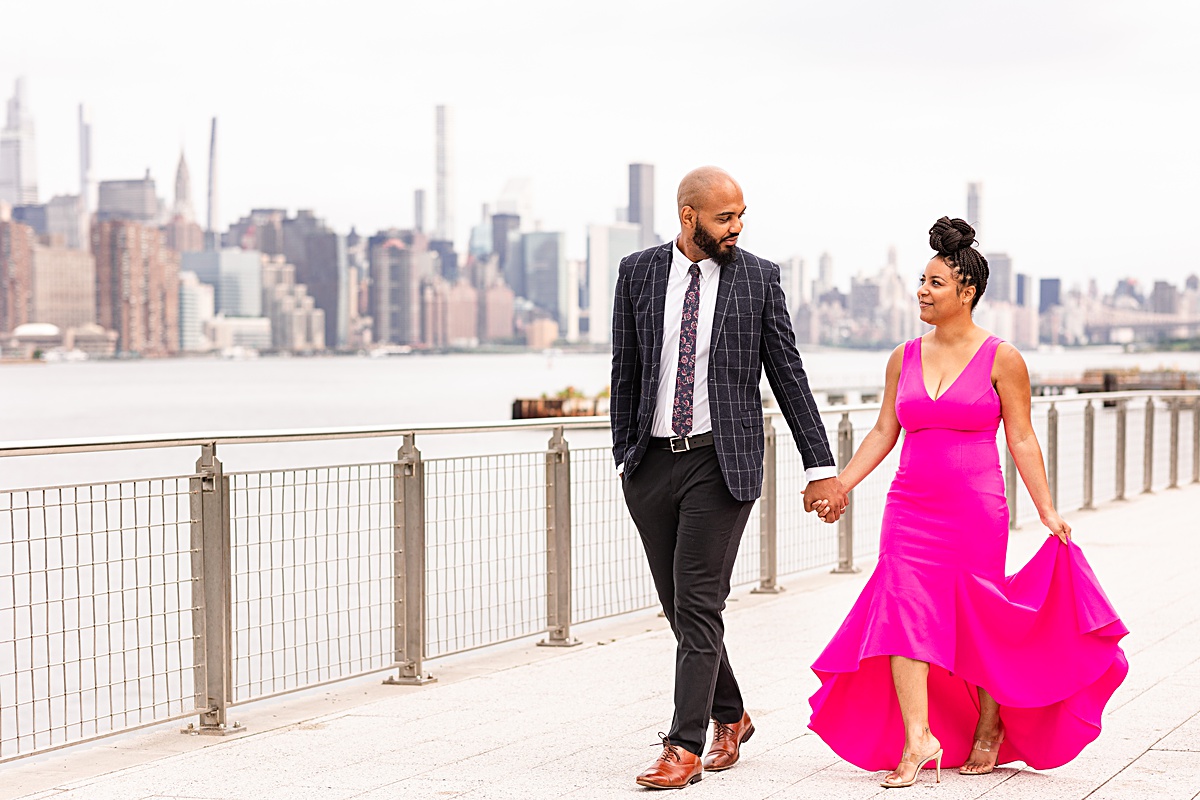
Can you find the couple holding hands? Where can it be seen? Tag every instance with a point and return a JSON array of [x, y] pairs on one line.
[[942, 660]]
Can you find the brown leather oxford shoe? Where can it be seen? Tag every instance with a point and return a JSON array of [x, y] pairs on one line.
[[674, 769], [727, 742]]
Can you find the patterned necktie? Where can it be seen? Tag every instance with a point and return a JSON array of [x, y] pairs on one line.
[[681, 412]]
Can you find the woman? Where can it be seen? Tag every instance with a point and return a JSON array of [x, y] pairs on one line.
[[942, 659]]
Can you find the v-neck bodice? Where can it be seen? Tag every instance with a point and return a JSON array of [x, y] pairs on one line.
[[969, 403]]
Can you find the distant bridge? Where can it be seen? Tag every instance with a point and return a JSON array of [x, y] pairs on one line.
[[1116, 326]]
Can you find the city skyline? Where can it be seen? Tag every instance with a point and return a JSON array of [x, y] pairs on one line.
[[842, 133]]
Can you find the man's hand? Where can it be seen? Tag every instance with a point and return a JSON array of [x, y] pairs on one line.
[[827, 497]]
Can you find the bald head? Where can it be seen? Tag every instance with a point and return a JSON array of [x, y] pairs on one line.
[[710, 215], [701, 184]]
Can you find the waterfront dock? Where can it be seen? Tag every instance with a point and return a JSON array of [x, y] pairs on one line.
[[519, 721]]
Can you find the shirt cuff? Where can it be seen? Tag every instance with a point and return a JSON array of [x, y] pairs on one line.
[[620, 468], [820, 473]]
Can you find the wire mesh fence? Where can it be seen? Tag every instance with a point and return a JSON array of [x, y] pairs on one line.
[[608, 569], [312, 576], [485, 550], [95, 611], [105, 626]]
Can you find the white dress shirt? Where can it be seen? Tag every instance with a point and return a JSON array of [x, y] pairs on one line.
[[668, 363]]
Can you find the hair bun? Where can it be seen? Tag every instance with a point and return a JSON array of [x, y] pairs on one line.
[[951, 235]]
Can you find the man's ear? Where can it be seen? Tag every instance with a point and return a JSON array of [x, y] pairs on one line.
[[687, 217]]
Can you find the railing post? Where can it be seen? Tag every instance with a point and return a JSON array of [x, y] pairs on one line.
[[1089, 455], [768, 547], [846, 523], [1148, 449], [1120, 454], [1010, 488], [1196, 440], [408, 563], [1052, 452], [212, 614], [558, 543], [1174, 484]]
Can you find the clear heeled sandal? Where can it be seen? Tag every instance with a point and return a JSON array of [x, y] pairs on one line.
[[985, 746], [911, 758]]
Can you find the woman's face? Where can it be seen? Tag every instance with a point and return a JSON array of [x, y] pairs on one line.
[[939, 293]]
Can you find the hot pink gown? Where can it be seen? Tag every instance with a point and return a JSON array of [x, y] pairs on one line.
[[1043, 642]]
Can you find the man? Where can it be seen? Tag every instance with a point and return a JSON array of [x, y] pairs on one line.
[[694, 322]]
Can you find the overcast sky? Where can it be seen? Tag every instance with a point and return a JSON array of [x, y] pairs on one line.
[[852, 125]]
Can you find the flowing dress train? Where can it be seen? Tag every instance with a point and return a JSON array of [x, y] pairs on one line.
[[1044, 642]]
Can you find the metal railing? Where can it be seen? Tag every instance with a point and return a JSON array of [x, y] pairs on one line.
[[129, 603]]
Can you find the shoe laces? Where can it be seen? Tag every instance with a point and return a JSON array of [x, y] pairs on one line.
[[722, 732], [668, 753]]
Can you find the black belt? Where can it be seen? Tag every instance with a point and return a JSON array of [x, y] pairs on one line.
[[681, 444]]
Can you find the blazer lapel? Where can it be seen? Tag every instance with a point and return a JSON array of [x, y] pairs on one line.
[[724, 293], [658, 291]]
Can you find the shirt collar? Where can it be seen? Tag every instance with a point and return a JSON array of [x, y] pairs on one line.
[[682, 263]]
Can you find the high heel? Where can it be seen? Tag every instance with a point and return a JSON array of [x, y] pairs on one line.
[[984, 746], [909, 758]]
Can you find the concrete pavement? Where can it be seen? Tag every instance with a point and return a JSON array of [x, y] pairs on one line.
[[518, 721]]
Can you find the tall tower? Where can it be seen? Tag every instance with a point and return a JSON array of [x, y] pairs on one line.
[[18, 163], [211, 230], [641, 201], [824, 274], [444, 156], [85, 160], [974, 197], [419, 210], [183, 191]]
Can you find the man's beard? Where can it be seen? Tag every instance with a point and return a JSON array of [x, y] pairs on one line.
[[709, 245]]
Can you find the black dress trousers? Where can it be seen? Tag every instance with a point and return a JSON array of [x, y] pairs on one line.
[[691, 526]]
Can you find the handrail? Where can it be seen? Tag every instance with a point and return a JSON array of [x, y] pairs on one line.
[[90, 445]]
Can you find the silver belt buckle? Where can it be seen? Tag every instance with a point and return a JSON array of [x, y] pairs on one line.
[[686, 444]]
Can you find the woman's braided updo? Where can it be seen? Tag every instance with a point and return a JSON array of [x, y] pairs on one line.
[[953, 240]]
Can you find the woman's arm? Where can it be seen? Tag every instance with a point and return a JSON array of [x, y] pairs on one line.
[[1012, 384], [880, 440]]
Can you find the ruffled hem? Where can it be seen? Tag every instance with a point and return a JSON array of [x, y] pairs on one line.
[[1045, 644]]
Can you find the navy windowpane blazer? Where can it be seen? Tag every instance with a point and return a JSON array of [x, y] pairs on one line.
[[751, 329]]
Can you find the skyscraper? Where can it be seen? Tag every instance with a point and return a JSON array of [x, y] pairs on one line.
[[213, 221], [137, 287], [974, 197], [183, 191], [1024, 293], [1000, 285], [235, 275], [85, 160], [319, 255], [606, 246], [64, 286], [18, 162], [792, 276], [17, 242], [397, 270], [547, 283], [444, 166], [824, 280], [132, 200], [1049, 294], [419, 210], [197, 305], [641, 201], [505, 231]]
